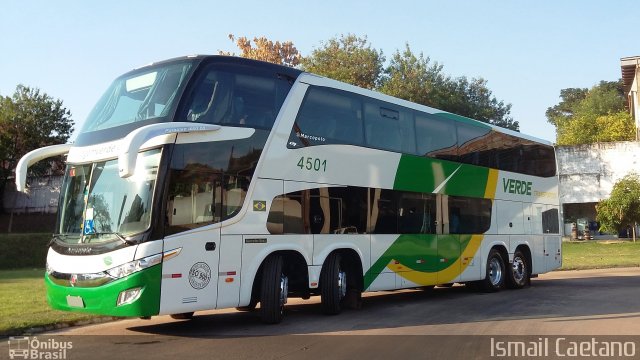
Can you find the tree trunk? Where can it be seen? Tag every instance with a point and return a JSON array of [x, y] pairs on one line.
[[634, 231], [10, 223]]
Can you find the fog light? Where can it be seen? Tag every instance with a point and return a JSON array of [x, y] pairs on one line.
[[129, 296]]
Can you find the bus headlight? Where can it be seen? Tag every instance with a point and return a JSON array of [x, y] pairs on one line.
[[134, 266]]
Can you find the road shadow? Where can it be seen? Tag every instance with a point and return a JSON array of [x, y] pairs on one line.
[[597, 297]]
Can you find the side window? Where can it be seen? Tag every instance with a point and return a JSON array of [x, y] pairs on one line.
[[539, 160], [384, 212], [474, 145], [206, 184], [389, 128], [348, 209], [194, 199], [285, 215], [550, 221], [508, 158], [417, 213], [469, 215], [328, 117], [334, 210], [232, 97], [435, 137]]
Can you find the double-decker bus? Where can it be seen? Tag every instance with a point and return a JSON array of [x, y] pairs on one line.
[[210, 182]]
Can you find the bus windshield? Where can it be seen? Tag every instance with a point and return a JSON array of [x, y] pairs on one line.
[[151, 92], [99, 206]]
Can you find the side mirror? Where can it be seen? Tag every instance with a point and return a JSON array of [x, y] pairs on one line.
[[33, 157]]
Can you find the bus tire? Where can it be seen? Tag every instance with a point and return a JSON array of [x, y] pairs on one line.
[[273, 290], [333, 284], [495, 272], [182, 316], [518, 272]]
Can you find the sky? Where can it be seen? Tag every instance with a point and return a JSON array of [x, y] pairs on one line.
[[527, 50]]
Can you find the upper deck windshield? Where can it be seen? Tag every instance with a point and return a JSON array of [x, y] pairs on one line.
[[98, 206], [151, 92]]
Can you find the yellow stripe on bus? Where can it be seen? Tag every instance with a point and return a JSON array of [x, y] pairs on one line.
[[443, 276]]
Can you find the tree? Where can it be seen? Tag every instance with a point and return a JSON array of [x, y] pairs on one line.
[[413, 78], [586, 116], [284, 53], [473, 99], [350, 59], [622, 208], [615, 127], [30, 120]]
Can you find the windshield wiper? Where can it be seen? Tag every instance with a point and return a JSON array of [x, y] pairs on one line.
[[57, 237], [118, 235]]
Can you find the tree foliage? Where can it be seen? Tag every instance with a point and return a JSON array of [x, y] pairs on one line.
[[412, 77], [622, 208], [282, 53], [586, 116], [29, 120], [350, 59]]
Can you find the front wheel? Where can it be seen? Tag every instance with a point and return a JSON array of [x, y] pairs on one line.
[[273, 291], [495, 272], [518, 273]]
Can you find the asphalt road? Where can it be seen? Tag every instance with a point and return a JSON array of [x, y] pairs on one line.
[[588, 304]]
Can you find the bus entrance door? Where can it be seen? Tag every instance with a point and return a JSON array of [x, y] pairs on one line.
[[190, 276]]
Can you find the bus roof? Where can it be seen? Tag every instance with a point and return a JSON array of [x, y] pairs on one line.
[[313, 79]]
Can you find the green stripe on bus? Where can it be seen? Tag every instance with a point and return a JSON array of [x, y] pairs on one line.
[[426, 253], [422, 174]]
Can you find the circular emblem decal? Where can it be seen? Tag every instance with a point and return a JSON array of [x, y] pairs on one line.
[[199, 275]]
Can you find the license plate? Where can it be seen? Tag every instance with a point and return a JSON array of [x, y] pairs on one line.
[[75, 301]]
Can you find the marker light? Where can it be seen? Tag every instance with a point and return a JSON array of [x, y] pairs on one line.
[[134, 266]]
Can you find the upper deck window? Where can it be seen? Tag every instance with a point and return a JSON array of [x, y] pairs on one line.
[[148, 93], [237, 96], [328, 117], [332, 116]]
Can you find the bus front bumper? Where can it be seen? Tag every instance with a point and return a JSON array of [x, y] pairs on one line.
[[142, 289]]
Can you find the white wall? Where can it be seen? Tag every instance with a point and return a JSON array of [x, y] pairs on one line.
[[588, 172]]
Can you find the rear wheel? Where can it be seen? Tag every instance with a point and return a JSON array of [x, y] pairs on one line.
[[518, 273], [495, 272], [333, 285], [273, 290]]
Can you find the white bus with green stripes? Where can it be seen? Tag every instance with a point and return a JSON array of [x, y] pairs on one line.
[[211, 182]]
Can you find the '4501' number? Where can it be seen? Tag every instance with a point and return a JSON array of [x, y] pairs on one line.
[[315, 164]]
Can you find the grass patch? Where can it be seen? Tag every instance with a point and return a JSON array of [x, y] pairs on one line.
[[23, 250], [24, 304], [577, 255]]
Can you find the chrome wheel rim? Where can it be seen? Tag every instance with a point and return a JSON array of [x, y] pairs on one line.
[[284, 291], [495, 271], [342, 283], [519, 269]]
